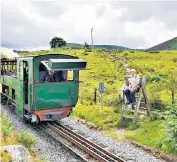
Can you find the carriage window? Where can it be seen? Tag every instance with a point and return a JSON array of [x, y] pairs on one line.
[[8, 67]]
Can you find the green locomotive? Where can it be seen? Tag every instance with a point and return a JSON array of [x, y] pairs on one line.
[[43, 87]]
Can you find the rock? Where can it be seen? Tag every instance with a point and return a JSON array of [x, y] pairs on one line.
[[87, 156], [142, 117], [18, 152]]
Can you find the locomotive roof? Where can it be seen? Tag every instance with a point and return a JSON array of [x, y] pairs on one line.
[[34, 56]]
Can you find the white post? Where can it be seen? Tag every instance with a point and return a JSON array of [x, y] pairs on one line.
[[92, 37]]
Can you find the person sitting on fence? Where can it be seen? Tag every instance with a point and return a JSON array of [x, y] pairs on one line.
[[132, 87]]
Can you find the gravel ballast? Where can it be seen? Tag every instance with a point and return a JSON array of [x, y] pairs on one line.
[[55, 152], [121, 149], [47, 146]]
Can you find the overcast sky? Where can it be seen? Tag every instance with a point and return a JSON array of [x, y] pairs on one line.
[[32, 24]]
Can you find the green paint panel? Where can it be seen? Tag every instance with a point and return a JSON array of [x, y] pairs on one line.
[[19, 110], [55, 95]]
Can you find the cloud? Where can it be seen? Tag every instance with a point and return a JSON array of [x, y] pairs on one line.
[[49, 9], [100, 11], [31, 24], [145, 10]]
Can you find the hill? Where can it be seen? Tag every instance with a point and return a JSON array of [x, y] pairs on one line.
[[168, 45], [109, 47]]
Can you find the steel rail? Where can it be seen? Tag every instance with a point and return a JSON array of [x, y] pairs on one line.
[[65, 145], [77, 142], [86, 145], [114, 157]]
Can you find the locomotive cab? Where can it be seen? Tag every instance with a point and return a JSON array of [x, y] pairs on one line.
[[57, 93]]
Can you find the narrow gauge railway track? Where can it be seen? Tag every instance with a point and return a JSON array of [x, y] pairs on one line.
[[92, 149]]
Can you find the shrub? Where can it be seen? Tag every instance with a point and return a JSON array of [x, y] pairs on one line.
[[154, 52], [6, 131], [26, 139], [132, 51], [157, 115], [88, 50], [155, 79], [127, 123], [119, 51], [157, 104], [6, 127], [125, 54], [174, 59], [169, 142], [5, 156]]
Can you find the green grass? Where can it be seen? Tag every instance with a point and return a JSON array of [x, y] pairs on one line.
[[148, 134], [105, 118], [12, 138]]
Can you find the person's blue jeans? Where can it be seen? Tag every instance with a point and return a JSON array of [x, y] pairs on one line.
[[130, 95]]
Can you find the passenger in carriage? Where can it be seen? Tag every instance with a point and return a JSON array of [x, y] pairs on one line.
[[50, 76], [4, 72], [132, 87], [42, 73], [59, 76]]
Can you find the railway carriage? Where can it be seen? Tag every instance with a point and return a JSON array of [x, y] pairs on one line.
[[41, 101]]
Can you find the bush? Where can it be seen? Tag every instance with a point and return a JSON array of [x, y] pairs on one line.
[[174, 59], [169, 142], [6, 126], [156, 115], [154, 52], [88, 50], [155, 79], [26, 139], [127, 123], [5, 156], [6, 131], [132, 51], [125, 54], [157, 104]]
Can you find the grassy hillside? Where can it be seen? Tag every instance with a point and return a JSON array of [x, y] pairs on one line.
[[161, 71], [98, 46], [168, 45]]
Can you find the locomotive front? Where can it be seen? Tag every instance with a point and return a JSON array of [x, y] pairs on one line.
[[55, 86]]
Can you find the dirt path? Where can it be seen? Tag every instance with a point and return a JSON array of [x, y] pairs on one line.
[[121, 133], [122, 61]]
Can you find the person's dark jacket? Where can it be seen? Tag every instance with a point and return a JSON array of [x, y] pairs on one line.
[[58, 76], [42, 76]]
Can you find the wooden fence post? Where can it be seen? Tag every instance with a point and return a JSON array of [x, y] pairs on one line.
[[173, 95], [95, 97]]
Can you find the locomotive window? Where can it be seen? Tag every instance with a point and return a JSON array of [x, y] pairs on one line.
[[70, 75], [47, 74]]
